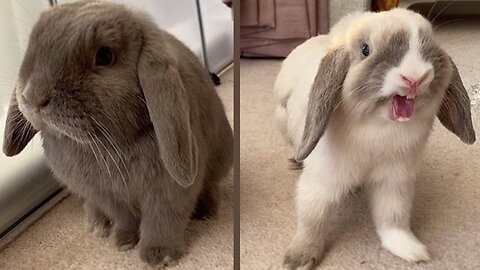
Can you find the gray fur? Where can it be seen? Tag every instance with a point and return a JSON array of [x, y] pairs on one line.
[[295, 165], [379, 62], [454, 112], [326, 89], [121, 137], [18, 131], [432, 53]]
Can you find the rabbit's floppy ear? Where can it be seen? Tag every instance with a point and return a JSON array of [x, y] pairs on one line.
[[454, 111], [18, 131], [168, 106], [324, 94]]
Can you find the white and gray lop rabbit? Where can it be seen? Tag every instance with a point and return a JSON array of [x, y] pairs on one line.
[[358, 106]]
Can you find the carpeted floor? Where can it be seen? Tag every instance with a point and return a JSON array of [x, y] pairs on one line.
[[59, 240], [446, 214]]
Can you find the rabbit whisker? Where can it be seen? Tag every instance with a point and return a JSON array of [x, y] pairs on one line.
[[431, 9], [346, 96], [469, 66], [62, 131], [14, 128], [115, 146], [104, 131], [21, 136], [141, 99], [93, 150], [26, 10], [95, 142], [105, 181], [15, 118], [115, 126], [463, 97], [442, 10], [9, 72], [16, 17], [114, 161], [447, 23], [15, 34], [124, 138]]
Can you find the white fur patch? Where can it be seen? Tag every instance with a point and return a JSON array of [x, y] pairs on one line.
[[404, 244], [412, 66]]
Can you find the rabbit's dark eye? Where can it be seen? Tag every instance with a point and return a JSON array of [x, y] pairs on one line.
[[104, 57], [365, 49]]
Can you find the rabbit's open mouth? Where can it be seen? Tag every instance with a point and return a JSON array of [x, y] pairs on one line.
[[402, 107]]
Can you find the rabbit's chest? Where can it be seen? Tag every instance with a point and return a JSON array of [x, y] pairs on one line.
[[91, 170], [388, 147], [373, 146]]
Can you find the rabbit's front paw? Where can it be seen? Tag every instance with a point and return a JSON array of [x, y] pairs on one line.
[[124, 240], [206, 207], [96, 221], [159, 256], [99, 227], [404, 244], [304, 258]]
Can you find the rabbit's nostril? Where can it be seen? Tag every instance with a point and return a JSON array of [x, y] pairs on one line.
[[43, 103], [36, 98]]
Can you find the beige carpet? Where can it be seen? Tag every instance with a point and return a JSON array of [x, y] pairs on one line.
[[59, 240], [446, 214]]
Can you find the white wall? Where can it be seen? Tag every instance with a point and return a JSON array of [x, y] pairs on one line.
[[24, 179], [16, 19]]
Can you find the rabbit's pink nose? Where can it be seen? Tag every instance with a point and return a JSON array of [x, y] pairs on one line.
[[412, 83]]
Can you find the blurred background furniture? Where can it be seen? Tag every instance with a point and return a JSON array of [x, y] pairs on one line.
[[272, 28]]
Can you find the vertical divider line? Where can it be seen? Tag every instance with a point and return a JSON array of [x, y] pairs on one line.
[[202, 35], [236, 127]]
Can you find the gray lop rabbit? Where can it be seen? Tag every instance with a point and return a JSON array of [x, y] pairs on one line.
[[130, 122]]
